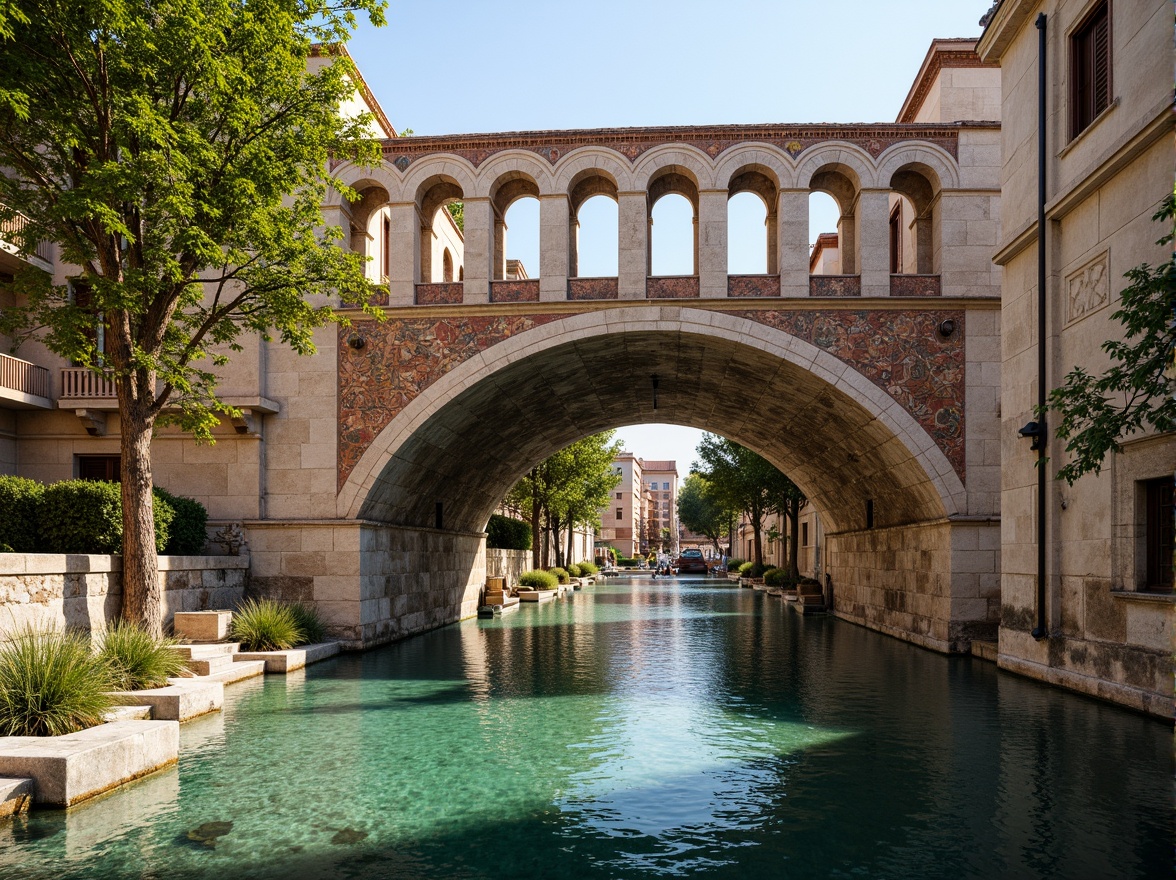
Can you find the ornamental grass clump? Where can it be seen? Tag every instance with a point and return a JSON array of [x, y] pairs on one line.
[[561, 574], [538, 580], [51, 684], [309, 624], [574, 570], [587, 569], [265, 625], [136, 659]]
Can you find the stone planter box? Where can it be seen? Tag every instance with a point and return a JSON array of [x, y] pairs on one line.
[[71, 768], [203, 626], [281, 662], [182, 700], [537, 595]]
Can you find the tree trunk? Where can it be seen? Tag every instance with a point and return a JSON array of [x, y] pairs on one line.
[[793, 537], [757, 541], [546, 537], [535, 535], [571, 539], [142, 601]]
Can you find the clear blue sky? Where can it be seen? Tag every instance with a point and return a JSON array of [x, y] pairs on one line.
[[467, 66]]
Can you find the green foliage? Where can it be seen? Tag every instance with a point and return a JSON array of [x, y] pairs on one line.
[[573, 569], [735, 564], [703, 509], [457, 212], [629, 562], [265, 625], [81, 516], [538, 580], [587, 569], [1138, 390], [774, 577], [757, 570], [507, 533], [188, 535], [20, 511], [561, 574], [137, 659], [50, 684], [744, 569], [310, 626]]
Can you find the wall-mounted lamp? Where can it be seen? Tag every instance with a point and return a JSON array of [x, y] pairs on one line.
[[655, 379], [356, 341], [947, 327], [1035, 431]]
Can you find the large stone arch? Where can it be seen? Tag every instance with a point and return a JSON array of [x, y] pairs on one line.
[[759, 156], [833, 153], [936, 159], [471, 434]]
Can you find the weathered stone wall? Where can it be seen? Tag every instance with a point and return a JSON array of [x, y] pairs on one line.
[[507, 564], [85, 592], [934, 584]]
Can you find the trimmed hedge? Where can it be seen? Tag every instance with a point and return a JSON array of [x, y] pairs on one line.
[[756, 571], [20, 513], [744, 569], [779, 577], [538, 580], [188, 535], [587, 569], [561, 574], [507, 533], [735, 564], [574, 570], [85, 516]]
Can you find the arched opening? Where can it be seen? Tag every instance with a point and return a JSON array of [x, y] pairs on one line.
[[594, 236], [371, 231], [824, 217], [447, 266], [673, 223], [752, 223], [515, 197], [914, 204], [841, 184], [439, 200]]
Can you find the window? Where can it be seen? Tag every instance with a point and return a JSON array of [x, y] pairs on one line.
[[1158, 534], [896, 239], [1090, 68], [620, 495], [804, 534], [619, 513], [665, 485], [98, 467]]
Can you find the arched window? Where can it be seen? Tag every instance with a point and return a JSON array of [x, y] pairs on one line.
[[824, 219], [747, 235], [442, 219], [447, 266], [520, 231], [595, 237], [841, 183], [673, 224], [369, 230], [913, 208]]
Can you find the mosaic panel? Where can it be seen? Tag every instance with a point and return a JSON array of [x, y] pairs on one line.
[[899, 351], [525, 291], [440, 294], [753, 285], [401, 358], [914, 285], [673, 287], [835, 285], [592, 288]]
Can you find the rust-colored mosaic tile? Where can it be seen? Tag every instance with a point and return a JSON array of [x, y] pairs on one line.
[[914, 285], [672, 287], [592, 288], [753, 285], [835, 285], [439, 294], [526, 291]]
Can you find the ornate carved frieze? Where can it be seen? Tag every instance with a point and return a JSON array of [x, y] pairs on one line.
[[1088, 289]]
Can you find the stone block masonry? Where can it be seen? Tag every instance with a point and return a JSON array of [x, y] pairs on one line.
[[85, 592]]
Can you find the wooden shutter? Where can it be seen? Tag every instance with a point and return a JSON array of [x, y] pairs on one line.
[[1101, 61]]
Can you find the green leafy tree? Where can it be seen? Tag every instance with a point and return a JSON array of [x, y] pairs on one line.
[[566, 490], [746, 482], [1138, 390], [177, 152], [703, 511]]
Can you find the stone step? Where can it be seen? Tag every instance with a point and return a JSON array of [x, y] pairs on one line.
[[181, 700], [16, 794], [239, 671], [211, 664], [128, 713], [281, 662], [204, 650]]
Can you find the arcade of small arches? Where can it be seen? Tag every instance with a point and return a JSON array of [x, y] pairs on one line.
[[892, 210]]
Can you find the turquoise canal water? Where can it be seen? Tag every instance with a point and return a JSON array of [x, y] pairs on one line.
[[636, 729]]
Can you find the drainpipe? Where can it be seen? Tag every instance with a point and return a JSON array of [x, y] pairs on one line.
[[1040, 631]]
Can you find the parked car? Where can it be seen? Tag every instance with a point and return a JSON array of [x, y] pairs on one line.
[[691, 561]]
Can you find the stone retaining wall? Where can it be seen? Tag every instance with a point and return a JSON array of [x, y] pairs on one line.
[[507, 564], [85, 591]]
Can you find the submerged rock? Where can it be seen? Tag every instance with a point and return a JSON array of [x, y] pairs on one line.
[[208, 833], [348, 836]]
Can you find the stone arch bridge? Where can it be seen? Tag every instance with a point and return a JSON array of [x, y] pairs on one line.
[[873, 387]]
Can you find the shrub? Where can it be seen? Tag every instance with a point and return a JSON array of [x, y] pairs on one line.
[[538, 580], [561, 574], [756, 571], [507, 533], [309, 623], [774, 577], [265, 625], [587, 569], [20, 511], [735, 564], [574, 570], [188, 535], [136, 659], [50, 684], [85, 516], [744, 568]]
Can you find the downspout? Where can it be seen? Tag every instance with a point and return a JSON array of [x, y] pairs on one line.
[[1040, 631]]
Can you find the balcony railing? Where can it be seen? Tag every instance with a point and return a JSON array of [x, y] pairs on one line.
[[80, 383], [10, 230], [23, 377]]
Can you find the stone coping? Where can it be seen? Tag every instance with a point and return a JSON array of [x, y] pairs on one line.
[[15, 795], [71, 768], [181, 700], [82, 563], [281, 662]]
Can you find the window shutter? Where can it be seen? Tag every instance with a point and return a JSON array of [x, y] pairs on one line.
[[1102, 62]]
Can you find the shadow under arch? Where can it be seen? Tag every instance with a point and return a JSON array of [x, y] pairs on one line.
[[471, 434]]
